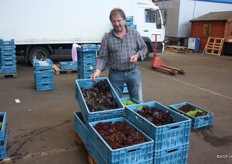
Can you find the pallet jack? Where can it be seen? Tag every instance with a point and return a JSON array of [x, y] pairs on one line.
[[158, 63]]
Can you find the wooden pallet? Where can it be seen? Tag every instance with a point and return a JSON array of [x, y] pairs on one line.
[[176, 49], [82, 146], [58, 71], [7, 75], [214, 46]]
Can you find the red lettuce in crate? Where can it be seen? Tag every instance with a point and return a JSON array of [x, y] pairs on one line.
[[99, 97], [119, 134], [194, 112], [156, 116]]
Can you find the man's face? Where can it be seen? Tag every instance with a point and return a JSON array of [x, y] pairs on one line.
[[118, 23]]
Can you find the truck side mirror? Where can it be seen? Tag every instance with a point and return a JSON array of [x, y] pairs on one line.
[[164, 15]]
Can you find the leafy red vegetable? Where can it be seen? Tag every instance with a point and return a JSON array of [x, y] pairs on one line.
[[99, 97]]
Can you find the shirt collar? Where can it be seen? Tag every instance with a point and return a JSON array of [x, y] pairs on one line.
[[117, 35]]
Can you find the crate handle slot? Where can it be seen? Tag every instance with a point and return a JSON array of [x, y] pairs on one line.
[[133, 150], [172, 150], [174, 127], [206, 118], [139, 119]]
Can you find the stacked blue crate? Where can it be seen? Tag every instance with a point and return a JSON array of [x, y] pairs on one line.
[[3, 135], [43, 75], [68, 65], [171, 141], [87, 55], [85, 120], [134, 154], [130, 22], [7, 57], [97, 115]]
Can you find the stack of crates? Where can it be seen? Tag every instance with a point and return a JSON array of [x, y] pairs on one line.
[[85, 121], [171, 141], [87, 55], [130, 22], [7, 57], [43, 74], [3, 135]]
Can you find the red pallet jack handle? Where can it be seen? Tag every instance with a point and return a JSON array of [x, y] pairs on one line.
[[158, 63]]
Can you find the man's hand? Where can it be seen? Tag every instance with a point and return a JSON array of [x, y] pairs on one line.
[[96, 74], [134, 58]]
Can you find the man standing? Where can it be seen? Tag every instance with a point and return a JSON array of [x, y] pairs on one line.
[[121, 49]]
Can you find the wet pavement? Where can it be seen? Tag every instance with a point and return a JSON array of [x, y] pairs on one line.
[[41, 126]]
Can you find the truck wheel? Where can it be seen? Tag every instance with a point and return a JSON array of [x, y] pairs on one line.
[[39, 53]]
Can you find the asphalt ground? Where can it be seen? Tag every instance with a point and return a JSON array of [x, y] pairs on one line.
[[41, 126]]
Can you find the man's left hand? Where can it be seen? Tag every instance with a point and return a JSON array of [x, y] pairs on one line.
[[134, 58]]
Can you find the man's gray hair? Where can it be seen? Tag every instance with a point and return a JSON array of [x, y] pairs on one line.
[[116, 11]]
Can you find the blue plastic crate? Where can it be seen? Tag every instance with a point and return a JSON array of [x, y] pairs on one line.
[[176, 155], [4, 146], [7, 53], [133, 26], [87, 55], [90, 67], [65, 65], [42, 65], [43, 79], [88, 47], [129, 20], [68, 65], [95, 154], [4, 125], [81, 127], [86, 62], [44, 86], [8, 69], [139, 153], [8, 57], [165, 136], [98, 115], [8, 62], [7, 48], [74, 65], [84, 75], [44, 73], [197, 122], [125, 89], [7, 42]]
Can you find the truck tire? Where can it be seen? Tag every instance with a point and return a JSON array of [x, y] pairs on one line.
[[40, 53]]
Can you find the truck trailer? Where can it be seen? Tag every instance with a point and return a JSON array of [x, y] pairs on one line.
[[50, 27]]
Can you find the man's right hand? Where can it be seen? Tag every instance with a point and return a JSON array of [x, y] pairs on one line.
[[96, 74]]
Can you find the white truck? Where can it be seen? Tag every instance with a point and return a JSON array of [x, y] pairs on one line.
[[49, 27]]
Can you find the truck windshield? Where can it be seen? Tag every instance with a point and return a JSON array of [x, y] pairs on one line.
[[153, 16]]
